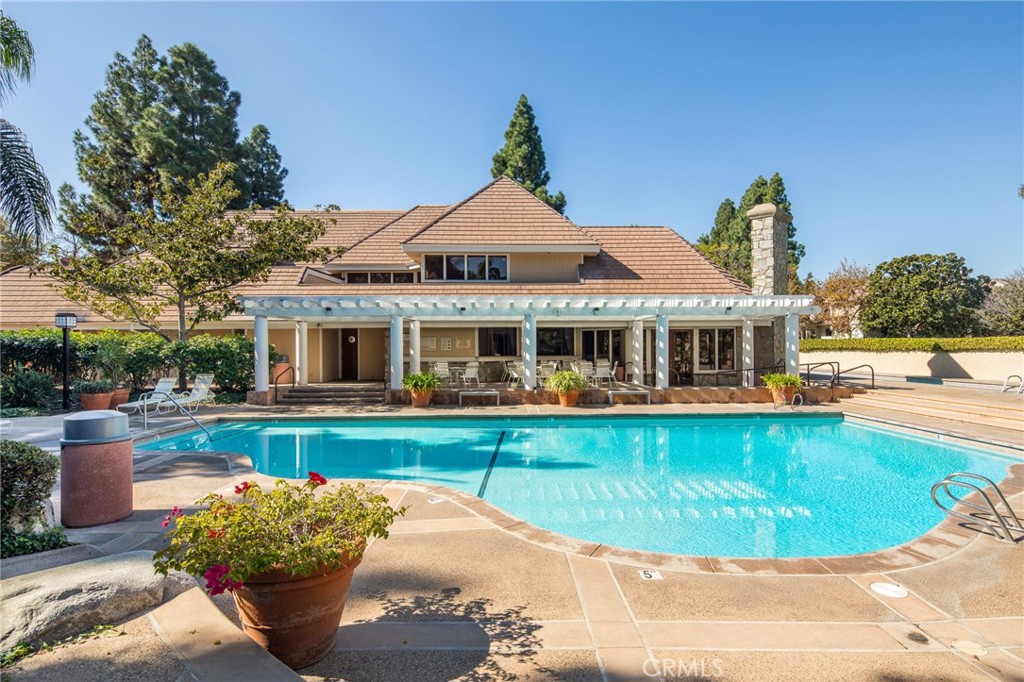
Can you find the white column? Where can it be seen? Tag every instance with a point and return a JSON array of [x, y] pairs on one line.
[[302, 351], [661, 344], [261, 339], [396, 359], [530, 352], [414, 346], [748, 351], [792, 343], [637, 356]]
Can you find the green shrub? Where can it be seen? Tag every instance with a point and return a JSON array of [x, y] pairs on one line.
[[566, 381], [422, 381], [28, 473], [228, 358], [145, 358], [12, 412], [42, 349], [15, 544], [771, 380], [951, 345], [27, 388]]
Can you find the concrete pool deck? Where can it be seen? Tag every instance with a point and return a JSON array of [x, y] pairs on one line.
[[461, 591]]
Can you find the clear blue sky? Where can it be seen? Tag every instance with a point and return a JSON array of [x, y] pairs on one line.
[[899, 128]]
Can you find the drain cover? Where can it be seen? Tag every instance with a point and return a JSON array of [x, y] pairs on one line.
[[969, 647], [889, 590]]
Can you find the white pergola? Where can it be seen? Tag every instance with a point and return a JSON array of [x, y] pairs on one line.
[[527, 312]]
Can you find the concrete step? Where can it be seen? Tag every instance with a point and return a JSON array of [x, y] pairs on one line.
[[1009, 409], [941, 411], [349, 400]]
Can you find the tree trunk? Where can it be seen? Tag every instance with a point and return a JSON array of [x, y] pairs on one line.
[[182, 336]]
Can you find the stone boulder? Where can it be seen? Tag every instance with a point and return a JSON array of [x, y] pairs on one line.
[[59, 602]]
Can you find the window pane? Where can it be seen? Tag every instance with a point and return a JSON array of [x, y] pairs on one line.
[[358, 278], [476, 267], [619, 346], [499, 341], [497, 267], [433, 267], [403, 278], [706, 349], [555, 341], [726, 349], [380, 278], [456, 267]]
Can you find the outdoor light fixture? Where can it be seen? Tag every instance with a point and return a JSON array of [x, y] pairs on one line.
[[67, 322]]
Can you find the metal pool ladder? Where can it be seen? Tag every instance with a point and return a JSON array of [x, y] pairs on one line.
[[1002, 524]]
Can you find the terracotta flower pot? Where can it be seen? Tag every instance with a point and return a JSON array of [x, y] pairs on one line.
[[783, 395], [119, 397], [421, 398], [295, 618], [95, 401], [568, 399]]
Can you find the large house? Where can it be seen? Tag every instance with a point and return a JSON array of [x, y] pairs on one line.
[[500, 276]]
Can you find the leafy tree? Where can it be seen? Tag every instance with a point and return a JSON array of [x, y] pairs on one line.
[[522, 157], [923, 295], [25, 197], [841, 297], [261, 166], [1002, 312], [728, 242], [189, 256], [16, 248]]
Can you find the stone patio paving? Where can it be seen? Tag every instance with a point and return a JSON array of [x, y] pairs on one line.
[[452, 594]]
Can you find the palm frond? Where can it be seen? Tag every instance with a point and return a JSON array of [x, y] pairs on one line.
[[25, 197], [17, 57]]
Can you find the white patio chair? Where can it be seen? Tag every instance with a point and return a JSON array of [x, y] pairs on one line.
[[515, 374], [586, 369], [545, 371], [442, 370], [471, 373], [199, 395], [152, 401], [603, 372]]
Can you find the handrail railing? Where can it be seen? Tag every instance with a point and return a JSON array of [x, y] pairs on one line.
[[832, 364], [280, 374], [1001, 526], [839, 374], [170, 398]]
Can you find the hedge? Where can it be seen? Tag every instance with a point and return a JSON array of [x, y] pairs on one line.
[[953, 345]]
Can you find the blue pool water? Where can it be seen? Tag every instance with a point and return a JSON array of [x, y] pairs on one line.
[[751, 486]]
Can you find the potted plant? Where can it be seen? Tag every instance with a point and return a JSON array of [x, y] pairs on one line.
[[421, 387], [567, 384], [287, 555], [111, 356], [782, 386], [95, 395]]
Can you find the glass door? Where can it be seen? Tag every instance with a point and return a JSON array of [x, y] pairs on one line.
[[681, 354]]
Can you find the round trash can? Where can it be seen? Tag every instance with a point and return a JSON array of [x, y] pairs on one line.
[[96, 469]]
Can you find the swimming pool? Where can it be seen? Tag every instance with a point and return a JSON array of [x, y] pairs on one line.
[[750, 486]]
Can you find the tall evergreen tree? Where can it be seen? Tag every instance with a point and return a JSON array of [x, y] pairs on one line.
[[194, 125], [522, 157], [261, 166], [728, 242]]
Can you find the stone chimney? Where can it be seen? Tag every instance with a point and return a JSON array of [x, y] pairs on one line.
[[769, 245], [769, 274]]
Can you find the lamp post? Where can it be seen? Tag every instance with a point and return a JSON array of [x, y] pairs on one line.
[[67, 322]]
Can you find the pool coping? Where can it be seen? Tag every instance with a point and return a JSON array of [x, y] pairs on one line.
[[942, 541]]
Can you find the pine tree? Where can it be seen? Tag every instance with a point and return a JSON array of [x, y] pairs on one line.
[[522, 157], [194, 126], [728, 243], [261, 166]]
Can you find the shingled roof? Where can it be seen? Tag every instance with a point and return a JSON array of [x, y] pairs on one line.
[[504, 214], [384, 246]]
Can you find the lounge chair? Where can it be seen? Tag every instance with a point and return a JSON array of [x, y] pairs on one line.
[[199, 394], [471, 373], [152, 401]]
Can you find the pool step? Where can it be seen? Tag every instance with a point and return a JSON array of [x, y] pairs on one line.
[[1006, 416], [334, 394]]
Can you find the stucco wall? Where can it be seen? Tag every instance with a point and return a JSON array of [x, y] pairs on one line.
[[975, 365], [372, 343], [544, 267]]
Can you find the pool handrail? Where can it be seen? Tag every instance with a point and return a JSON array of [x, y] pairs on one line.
[[280, 374], [172, 399], [1007, 525]]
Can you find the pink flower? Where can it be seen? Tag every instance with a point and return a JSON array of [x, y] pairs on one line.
[[242, 487], [317, 478], [218, 582]]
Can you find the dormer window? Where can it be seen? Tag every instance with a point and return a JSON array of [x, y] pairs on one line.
[[465, 267]]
